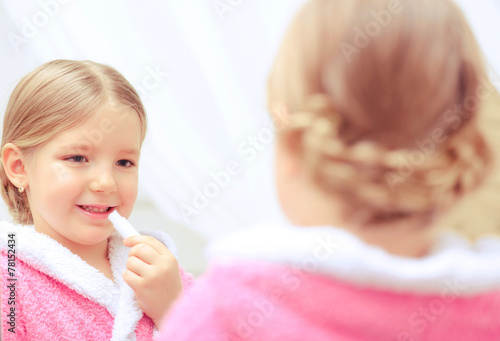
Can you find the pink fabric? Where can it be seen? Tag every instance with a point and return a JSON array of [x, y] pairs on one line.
[[263, 301], [46, 309], [187, 280]]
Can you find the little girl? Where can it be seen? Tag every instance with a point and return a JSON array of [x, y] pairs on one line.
[[383, 102], [71, 142]]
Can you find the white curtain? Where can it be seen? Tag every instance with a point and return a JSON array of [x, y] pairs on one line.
[[201, 68]]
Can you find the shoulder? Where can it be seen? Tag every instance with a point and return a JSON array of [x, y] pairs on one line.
[[336, 253], [37, 296], [222, 291], [235, 297], [253, 300], [8, 233]]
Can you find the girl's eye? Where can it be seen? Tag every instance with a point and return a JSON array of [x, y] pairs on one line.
[[125, 163], [77, 158]]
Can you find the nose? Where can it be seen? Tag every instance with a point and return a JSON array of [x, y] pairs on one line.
[[103, 180]]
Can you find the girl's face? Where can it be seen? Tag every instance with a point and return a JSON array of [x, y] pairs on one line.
[[80, 176]]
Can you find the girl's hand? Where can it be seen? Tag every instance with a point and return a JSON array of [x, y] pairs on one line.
[[153, 273]]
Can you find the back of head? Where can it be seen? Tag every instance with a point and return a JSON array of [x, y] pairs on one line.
[[383, 97], [55, 97]]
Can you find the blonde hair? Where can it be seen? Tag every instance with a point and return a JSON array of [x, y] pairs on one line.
[[374, 86], [57, 96]]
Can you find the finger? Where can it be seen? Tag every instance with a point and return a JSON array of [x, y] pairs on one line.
[[132, 279], [146, 253], [154, 243], [138, 267]]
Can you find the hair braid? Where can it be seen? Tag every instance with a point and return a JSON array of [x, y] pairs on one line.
[[361, 172]]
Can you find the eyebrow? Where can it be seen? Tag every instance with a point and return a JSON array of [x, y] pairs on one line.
[[130, 151], [77, 148], [85, 148]]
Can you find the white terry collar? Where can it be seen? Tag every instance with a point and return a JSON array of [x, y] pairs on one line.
[[50, 257], [338, 253]]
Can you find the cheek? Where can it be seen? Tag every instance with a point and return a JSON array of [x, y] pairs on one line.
[[283, 194], [131, 193], [282, 184], [128, 188], [53, 183], [56, 174], [280, 174]]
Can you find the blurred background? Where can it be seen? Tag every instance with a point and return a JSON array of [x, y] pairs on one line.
[[200, 67]]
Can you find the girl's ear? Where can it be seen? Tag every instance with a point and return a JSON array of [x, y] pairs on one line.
[[14, 165], [289, 142], [289, 152]]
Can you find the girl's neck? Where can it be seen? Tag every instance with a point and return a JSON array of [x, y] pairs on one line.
[[397, 240], [313, 207], [95, 255]]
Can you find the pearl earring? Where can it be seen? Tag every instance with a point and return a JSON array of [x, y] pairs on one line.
[[20, 189]]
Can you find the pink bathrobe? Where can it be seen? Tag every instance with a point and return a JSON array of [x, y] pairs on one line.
[[322, 283], [58, 296]]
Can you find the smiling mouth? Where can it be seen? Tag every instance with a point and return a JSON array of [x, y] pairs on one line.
[[94, 209]]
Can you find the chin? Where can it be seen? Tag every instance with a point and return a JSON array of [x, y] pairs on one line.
[[94, 239]]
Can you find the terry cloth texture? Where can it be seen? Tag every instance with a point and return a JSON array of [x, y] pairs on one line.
[[58, 296], [322, 283]]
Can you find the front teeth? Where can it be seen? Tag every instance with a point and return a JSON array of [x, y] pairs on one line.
[[94, 209]]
